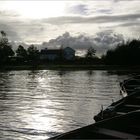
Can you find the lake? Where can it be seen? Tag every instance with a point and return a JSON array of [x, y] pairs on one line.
[[43, 103]]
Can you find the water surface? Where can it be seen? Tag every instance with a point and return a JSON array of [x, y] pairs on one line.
[[43, 103]]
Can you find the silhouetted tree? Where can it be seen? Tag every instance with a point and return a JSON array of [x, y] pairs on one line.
[[21, 51], [33, 54], [3, 34], [61, 53], [90, 52], [5, 48], [124, 54]]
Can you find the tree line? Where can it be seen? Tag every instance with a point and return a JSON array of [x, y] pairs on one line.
[[22, 55], [31, 55], [126, 53]]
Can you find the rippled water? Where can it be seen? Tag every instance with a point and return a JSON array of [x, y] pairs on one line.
[[41, 104]]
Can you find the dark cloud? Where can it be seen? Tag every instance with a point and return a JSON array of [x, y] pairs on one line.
[[8, 24], [79, 42], [97, 19], [11, 33], [78, 9], [104, 11], [107, 40], [101, 42], [130, 24], [22, 30]]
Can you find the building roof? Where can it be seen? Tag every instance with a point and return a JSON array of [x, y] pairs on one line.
[[55, 51], [51, 51], [69, 49]]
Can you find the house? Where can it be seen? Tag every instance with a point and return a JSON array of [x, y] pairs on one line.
[[69, 53], [53, 54], [50, 54]]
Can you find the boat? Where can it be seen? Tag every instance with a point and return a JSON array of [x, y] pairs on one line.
[[130, 85], [125, 105], [120, 127], [120, 120], [129, 103]]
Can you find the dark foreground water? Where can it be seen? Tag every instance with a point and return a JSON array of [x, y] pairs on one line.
[[41, 104]]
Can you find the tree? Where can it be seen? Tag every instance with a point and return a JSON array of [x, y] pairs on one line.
[[5, 48], [21, 52], [3, 33], [90, 52], [33, 54], [124, 54], [61, 53]]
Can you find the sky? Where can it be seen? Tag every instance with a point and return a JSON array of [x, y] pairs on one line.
[[78, 24]]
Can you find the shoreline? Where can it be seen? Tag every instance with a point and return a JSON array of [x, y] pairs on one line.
[[71, 67]]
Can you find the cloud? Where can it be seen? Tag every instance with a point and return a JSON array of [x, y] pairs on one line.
[[92, 20], [8, 14], [80, 9], [130, 24], [107, 40], [84, 20], [102, 41], [37, 31], [105, 11], [79, 42], [11, 33]]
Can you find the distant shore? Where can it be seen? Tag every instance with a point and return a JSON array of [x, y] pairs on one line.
[[70, 67]]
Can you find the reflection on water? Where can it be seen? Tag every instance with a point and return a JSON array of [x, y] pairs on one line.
[[43, 103]]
